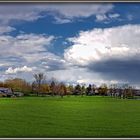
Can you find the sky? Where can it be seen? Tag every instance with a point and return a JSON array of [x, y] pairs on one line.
[[72, 42]]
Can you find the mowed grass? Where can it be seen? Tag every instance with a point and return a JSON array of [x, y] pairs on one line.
[[69, 117]]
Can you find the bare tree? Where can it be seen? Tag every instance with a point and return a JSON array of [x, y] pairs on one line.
[[53, 88], [39, 78]]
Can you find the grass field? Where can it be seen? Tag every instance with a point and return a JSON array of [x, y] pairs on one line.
[[69, 117]]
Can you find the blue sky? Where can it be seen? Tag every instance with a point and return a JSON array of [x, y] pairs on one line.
[[72, 42]]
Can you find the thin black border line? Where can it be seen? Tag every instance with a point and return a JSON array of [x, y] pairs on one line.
[[71, 1], [74, 138]]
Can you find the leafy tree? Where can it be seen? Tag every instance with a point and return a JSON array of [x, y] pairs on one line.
[[70, 89], [62, 89], [103, 89], [77, 90], [18, 85], [45, 89], [89, 90], [83, 90]]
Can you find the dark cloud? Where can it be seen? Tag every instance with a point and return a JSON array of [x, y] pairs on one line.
[[54, 65], [122, 70]]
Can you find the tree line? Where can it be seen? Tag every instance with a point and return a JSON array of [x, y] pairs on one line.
[[40, 87]]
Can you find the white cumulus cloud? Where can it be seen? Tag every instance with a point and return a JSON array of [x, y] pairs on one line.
[[30, 47], [11, 70], [62, 13], [6, 29], [101, 17], [120, 42], [79, 10], [116, 15]]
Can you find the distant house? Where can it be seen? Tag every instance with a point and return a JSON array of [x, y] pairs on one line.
[[6, 92], [136, 92]]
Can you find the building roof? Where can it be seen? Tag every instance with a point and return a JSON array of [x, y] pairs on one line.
[[5, 90]]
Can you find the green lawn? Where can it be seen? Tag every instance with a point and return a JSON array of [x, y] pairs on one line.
[[69, 117]]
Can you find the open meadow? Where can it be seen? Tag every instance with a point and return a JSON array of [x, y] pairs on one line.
[[73, 116]]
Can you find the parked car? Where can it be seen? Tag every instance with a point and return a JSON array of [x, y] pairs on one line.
[[18, 94]]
